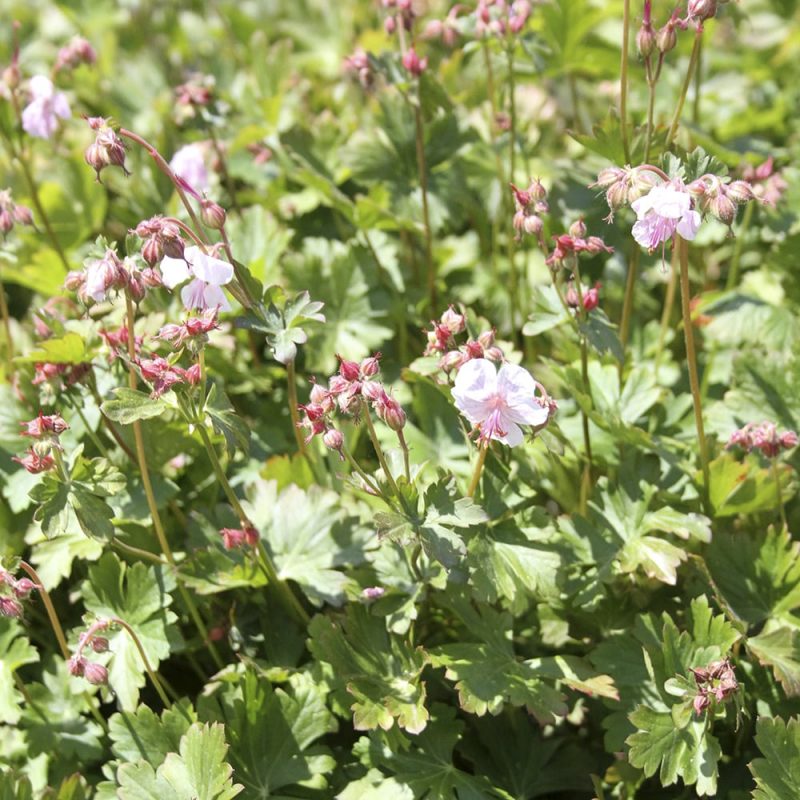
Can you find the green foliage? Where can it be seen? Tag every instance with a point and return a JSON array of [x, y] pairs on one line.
[[778, 774]]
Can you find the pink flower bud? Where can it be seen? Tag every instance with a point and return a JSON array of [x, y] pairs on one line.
[[390, 25], [212, 214], [740, 192], [571, 297], [348, 370], [702, 9], [373, 592], [99, 644], [391, 412], [23, 587], [152, 251], [789, 440], [413, 63], [433, 30], [452, 360], [23, 215], [666, 38], [723, 208], [9, 607], [95, 673], [372, 390], [578, 229], [645, 40], [533, 225], [334, 440], [486, 339], [6, 222], [76, 666], [453, 321], [371, 366], [591, 298]]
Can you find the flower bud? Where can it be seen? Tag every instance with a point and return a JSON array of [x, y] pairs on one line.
[[390, 25], [9, 607], [413, 63], [452, 360], [391, 412], [453, 321], [334, 440], [76, 666], [740, 192], [608, 177], [723, 208], [100, 644], [152, 251], [212, 214], [371, 366], [666, 38], [578, 229], [74, 280], [702, 9], [533, 224], [349, 370], [373, 592], [6, 222], [788, 440], [23, 215], [486, 339], [571, 297], [591, 298], [11, 76], [645, 40], [23, 587], [95, 673]]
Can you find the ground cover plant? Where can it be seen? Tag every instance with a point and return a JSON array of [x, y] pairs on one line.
[[399, 399]]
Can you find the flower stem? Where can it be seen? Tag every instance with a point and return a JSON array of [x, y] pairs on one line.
[[627, 303], [586, 479], [151, 500], [476, 475], [691, 359], [666, 314], [7, 327], [733, 272], [166, 169], [651, 103], [373, 436], [291, 383], [517, 309], [268, 568], [220, 473], [49, 607], [406, 460], [623, 77], [779, 492], [150, 672], [422, 169], [673, 128]]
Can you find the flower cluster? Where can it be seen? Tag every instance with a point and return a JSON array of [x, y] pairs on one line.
[[720, 199], [399, 13], [192, 333], [161, 237], [446, 29], [80, 666], [501, 17], [763, 437], [12, 213], [766, 182], [568, 246], [498, 402], [162, 374], [76, 52], [358, 65], [12, 591], [46, 430], [47, 105], [624, 185], [588, 299], [117, 342], [107, 149], [353, 389], [236, 538], [57, 377], [529, 205], [715, 683], [193, 96], [442, 341]]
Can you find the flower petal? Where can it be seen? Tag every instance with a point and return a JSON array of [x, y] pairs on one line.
[[212, 270], [688, 225], [475, 388], [514, 435], [193, 294], [174, 271], [213, 296]]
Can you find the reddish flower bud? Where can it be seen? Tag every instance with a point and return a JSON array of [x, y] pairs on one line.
[[76, 666], [740, 192], [371, 366], [591, 298], [99, 644], [373, 592], [390, 25], [212, 214], [95, 673], [578, 229], [666, 38], [349, 370], [334, 440], [413, 63], [9, 607], [23, 587]]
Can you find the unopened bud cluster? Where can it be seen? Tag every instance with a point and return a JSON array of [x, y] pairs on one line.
[[45, 429], [764, 437], [529, 206], [398, 13], [766, 182], [568, 246], [625, 185], [501, 17], [238, 538], [192, 333], [76, 52], [12, 592], [354, 389], [80, 666], [12, 213], [588, 299], [715, 684], [161, 236], [442, 340], [357, 65], [713, 196], [107, 149]]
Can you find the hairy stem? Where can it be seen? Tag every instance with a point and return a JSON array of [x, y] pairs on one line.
[[673, 128], [666, 314], [373, 436], [627, 303], [144, 472], [776, 476], [289, 597], [623, 77], [150, 671], [691, 360], [733, 272], [476, 475], [49, 607], [291, 384], [406, 459], [422, 169]]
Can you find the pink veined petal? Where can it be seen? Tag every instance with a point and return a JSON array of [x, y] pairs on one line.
[[193, 294], [211, 270], [95, 283], [213, 296], [174, 271], [688, 225], [41, 87], [474, 389], [653, 230], [643, 204], [516, 379]]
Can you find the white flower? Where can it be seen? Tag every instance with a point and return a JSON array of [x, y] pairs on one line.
[[40, 116], [208, 275], [662, 212], [497, 403], [188, 163]]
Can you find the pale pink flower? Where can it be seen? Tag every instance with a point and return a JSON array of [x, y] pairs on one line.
[[189, 164], [40, 116], [662, 212], [498, 402], [208, 276]]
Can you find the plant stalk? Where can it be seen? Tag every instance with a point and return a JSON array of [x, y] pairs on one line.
[[623, 78], [483, 449], [150, 672], [673, 128]]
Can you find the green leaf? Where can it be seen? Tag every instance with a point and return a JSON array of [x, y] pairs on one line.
[[132, 405], [67, 349], [691, 753], [139, 596], [380, 671], [284, 725], [738, 487], [779, 648], [145, 736], [309, 537], [15, 652], [601, 334], [226, 422], [548, 312], [53, 558], [777, 775], [757, 573], [198, 772]]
